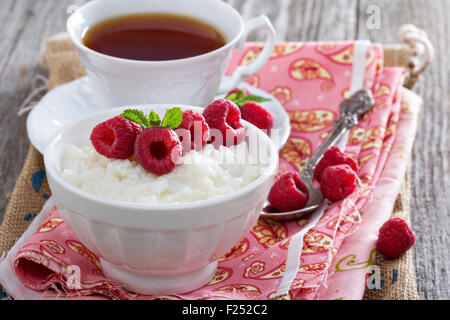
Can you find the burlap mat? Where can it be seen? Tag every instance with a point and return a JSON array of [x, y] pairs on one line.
[[61, 59]]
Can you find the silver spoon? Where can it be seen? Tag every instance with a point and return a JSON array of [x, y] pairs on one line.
[[350, 110]]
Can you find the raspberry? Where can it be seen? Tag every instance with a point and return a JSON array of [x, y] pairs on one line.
[[158, 150], [136, 127], [194, 129], [333, 156], [289, 192], [114, 138], [338, 182], [236, 90], [258, 115], [395, 238], [225, 116]]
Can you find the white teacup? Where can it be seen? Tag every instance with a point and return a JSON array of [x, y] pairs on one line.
[[194, 81]]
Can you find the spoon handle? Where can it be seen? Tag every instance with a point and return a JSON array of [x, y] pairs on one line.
[[350, 111]]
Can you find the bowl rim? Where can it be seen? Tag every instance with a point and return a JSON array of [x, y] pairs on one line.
[[268, 171]]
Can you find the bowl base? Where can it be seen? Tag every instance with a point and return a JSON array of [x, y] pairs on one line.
[[158, 284]]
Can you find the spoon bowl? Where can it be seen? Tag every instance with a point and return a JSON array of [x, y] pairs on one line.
[[314, 201], [270, 212]]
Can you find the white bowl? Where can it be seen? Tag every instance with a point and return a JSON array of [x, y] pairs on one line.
[[155, 249]]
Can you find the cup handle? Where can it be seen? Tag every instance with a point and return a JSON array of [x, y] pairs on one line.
[[252, 24]]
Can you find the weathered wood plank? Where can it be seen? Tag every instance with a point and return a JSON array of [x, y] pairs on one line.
[[300, 20], [430, 161]]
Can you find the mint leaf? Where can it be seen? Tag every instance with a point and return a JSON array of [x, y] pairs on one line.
[[153, 119], [255, 98], [172, 118], [231, 97], [240, 98], [136, 116], [235, 96]]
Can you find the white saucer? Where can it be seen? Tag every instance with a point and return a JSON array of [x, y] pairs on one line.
[[74, 100]]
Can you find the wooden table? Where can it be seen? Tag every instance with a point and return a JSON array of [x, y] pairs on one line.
[[26, 24]]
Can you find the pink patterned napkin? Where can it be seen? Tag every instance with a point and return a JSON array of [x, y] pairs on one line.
[[299, 259]]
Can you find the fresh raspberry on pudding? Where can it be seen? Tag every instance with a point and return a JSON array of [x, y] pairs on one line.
[[289, 192], [193, 131], [395, 237], [225, 117], [256, 114], [136, 127], [333, 156], [338, 182], [114, 138], [158, 150]]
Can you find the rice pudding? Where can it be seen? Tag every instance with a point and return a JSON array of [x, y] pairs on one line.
[[201, 175]]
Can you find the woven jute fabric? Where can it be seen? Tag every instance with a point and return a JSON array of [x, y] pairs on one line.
[[61, 59], [399, 275]]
